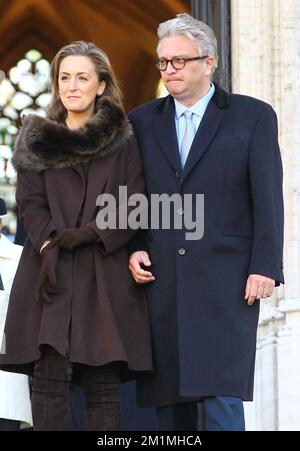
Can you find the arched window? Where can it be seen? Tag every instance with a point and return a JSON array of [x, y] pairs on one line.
[[25, 90]]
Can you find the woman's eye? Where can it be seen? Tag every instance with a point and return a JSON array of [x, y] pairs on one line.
[[82, 78], [64, 77]]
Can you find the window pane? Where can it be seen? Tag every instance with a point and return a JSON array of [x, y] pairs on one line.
[[33, 55]]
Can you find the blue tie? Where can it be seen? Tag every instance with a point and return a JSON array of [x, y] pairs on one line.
[[188, 137]]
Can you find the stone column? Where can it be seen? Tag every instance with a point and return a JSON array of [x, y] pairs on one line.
[[266, 64]]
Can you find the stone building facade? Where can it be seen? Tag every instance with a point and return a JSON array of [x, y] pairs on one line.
[[265, 46]]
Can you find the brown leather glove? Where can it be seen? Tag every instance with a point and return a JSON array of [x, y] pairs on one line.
[[71, 238], [46, 283]]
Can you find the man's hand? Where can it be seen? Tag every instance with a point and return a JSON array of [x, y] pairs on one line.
[[138, 273], [258, 287]]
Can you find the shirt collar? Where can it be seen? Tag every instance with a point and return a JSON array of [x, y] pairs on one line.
[[198, 108]]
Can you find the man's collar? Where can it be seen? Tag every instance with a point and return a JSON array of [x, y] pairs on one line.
[[198, 108], [221, 99]]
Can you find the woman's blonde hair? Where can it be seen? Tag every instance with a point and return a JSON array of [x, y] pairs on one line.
[[56, 109]]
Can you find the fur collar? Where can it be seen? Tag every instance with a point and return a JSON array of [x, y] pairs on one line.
[[45, 144]]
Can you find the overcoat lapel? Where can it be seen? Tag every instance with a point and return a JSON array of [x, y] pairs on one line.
[[72, 183], [165, 131], [78, 189], [206, 131], [98, 174]]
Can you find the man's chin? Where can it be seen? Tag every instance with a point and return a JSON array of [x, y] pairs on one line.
[[178, 96], [175, 93]]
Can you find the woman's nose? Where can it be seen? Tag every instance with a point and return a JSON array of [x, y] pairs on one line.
[[73, 84]]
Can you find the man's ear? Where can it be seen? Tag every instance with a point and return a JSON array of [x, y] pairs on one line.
[[209, 64]]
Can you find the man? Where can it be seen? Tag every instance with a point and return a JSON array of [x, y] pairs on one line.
[[203, 294]]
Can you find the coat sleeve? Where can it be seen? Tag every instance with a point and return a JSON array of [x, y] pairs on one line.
[[265, 171], [112, 239], [33, 207], [138, 243]]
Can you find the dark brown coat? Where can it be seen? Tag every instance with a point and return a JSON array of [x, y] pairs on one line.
[[99, 300]]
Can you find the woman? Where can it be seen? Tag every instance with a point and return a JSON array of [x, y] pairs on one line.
[[78, 314]]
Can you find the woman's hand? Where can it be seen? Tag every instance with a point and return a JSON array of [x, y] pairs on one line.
[[46, 283], [70, 238]]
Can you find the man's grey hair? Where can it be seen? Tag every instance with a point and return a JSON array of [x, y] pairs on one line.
[[197, 31]]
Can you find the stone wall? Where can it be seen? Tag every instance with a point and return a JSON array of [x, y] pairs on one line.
[[266, 64]]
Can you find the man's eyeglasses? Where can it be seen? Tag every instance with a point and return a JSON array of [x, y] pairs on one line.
[[178, 62]]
